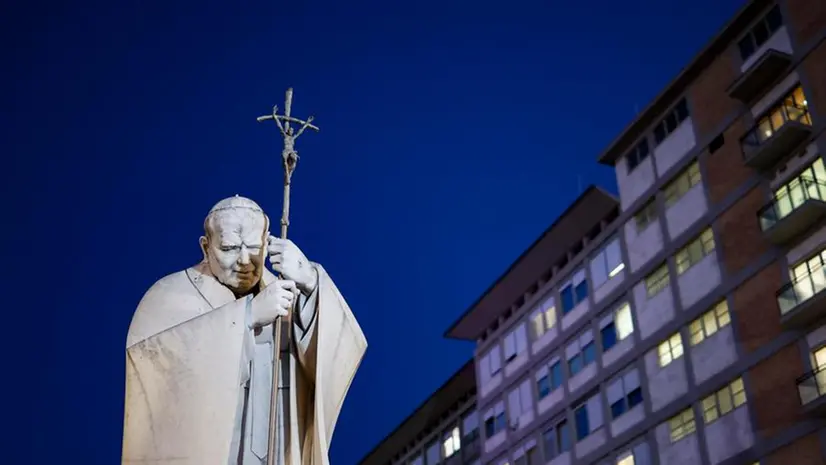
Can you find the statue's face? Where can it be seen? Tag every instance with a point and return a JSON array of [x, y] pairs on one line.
[[235, 247]]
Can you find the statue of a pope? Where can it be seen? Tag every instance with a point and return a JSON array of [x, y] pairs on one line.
[[199, 353]]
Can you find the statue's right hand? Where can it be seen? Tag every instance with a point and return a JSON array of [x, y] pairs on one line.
[[275, 300]]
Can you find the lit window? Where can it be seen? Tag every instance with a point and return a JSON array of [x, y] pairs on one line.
[[682, 425], [646, 215], [684, 181], [616, 327], [657, 280], [671, 349], [709, 323], [695, 251], [724, 401], [452, 442], [543, 318]]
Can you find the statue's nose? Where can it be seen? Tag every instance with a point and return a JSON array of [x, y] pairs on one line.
[[244, 259]]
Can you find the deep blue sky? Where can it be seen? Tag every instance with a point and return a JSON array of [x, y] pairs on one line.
[[452, 134]]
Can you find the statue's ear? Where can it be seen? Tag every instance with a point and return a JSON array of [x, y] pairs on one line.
[[204, 245]]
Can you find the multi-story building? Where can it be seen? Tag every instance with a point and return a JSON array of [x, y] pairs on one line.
[[685, 322], [444, 429]]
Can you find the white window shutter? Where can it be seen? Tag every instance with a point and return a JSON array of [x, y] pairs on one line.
[[579, 276], [510, 345], [514, 409], [521, 339], [530, 444], [586, 337], [518, 453], [631, 380], [526, 394], [599, 274], [484, 369], [541, 372], [594, 412], [613, 255], [572, 350], [606, 320], [614, 391], [433, 454], [642, 454], [489, 413], [470, 422], [499, 408], [495, 360]]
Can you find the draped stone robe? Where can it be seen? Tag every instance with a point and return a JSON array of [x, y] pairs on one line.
[[198, 380]]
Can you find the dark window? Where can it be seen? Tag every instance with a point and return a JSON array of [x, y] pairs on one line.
[[716, 143], [589, 353], [760, 33], [626, 403], [637, 155], [618, 408], [670, 121], [634, 398], [583, 429], [500, 422], [575, 364], [609, 336], [556, 375], [581, 291], [489, 427], [543, 386], [567, 296], [564, 434], [556, 440]]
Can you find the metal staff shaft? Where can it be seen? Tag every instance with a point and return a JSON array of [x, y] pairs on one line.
[[290, 160]]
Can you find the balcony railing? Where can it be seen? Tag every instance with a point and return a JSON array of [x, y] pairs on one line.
[[770, 125], [793, 294], [812, 385], [789, 198]]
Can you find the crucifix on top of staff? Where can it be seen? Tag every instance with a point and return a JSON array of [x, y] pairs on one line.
[[289, 161]]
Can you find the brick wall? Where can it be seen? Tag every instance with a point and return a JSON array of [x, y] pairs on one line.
[[739, 234], [807, 18], [724, 168], [755, 310], [814, 67], [774, 396], [804, 451], [710, 101]]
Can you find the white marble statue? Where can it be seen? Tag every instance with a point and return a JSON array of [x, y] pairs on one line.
[[199, 353]]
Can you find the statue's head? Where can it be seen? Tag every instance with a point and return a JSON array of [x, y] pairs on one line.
[[234, 244]]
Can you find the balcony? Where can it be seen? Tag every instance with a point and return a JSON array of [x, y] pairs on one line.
[[776, 135], [811, 388], [760, 75], [803, 302], [796, 207]]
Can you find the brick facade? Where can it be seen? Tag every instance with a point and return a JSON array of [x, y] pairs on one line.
[[739, 234]]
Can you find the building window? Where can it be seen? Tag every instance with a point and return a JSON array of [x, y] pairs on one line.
[[549, 378], [709, 323], [470, 427], [671, 349], [495, 419], [682, 425], [516, 343], [684, 181], [671, 121], [419, 460], [760, 33], [556, 439], [432, 453], [624, 393], [695, 251], [520, 402], [657, 280], [639, 455], [646, 215], [490, 365], [607, 263], [543, 318], [452, 442], [790, 196], [526, 454], [793, 107], [588, 417], [574, 292], [637, 155], [616, 327], [581, 352], [724, 401]]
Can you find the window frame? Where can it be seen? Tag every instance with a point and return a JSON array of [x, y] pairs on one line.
[[573, 284], [546, 372], [658, 280], [695, 251], [678, 187], [560, 430], [734, 393], [630, 386], [591, 402], [610, 320], [682, 425], [583, 342], [698, 329], [495, 418], [600, 259], [752, 41], [637, 155], [519, 344], [667, 348], [452, 437], [546, 316], [674, 117], [646, 215]]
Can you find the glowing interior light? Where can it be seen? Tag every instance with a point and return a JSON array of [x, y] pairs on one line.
[[616, 270]]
